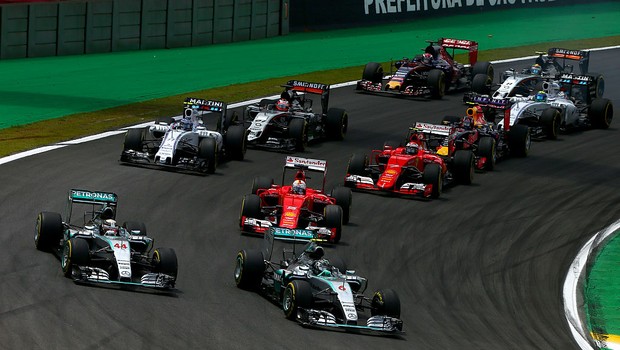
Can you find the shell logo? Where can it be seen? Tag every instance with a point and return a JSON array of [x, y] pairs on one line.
[[290, 214], [391, 172]]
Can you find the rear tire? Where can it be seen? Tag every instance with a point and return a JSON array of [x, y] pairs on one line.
[[487, 149], [207, 150], [336, 124], [519, 140], [343, 198], [436, 81], [236, 146], [601, 113], [464, 166], [333, 219], [298, 130], [550, 120], [133, 226], [432, 175], [297, 295], [373, 72], [249, 269], [385, 303], [48, 231], [165, 261]]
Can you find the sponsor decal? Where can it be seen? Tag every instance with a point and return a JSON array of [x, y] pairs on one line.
[[305, 84], [342, 287], [377, 7], [203, 102], [306, 161], [290, 214], [77, 194], [433, 127], [120, 245], [391, 172]]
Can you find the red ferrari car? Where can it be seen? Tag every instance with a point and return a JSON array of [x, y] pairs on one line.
[[414, 169], [308, 212]]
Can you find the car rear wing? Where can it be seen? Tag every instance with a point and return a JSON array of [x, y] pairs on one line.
[[306, 163], [93, 197], [311, 88], [582, 56], [206, 106], [285, 234], [433, 129], [461, 44]]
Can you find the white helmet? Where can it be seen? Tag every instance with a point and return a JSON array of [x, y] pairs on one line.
[[299, 187], [109, 228]]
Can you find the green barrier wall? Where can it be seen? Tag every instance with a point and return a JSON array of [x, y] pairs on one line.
[[98, 26]]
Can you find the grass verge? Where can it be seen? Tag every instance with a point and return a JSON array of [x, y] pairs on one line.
[[21, 138]]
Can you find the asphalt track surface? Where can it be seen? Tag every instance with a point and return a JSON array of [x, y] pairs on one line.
[[480, 268]]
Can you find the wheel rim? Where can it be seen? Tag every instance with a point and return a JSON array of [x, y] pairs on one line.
[[287, 301], [37, 233], [238, 268], [66, 256]]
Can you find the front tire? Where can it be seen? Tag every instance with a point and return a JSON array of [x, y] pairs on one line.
[[48, 231], [249, 269], [464, 167], [261, 183], [297, 295], [373, 72], [487, 149], [550, 120], [481, 84], [437, 83], [385, 303], [250, 208], [76, 252], [207, 150], [165, 261], [133, 140], [357, 165], [519, 140], [432, 175], [333, 220]]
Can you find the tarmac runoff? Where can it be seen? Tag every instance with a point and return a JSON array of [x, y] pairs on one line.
[[576, 290]]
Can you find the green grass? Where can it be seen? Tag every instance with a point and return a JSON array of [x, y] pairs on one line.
[[20, 138]]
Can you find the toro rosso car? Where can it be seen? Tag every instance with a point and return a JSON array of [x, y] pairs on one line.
[[289, 123], [431, 74], [411, 170], [315, 291], [310, 212], [93, 249], [188, 144]]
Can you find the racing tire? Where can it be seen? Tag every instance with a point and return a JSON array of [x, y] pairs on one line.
[[485, 68], [167, 121], [373, 72], [357, 165], [236, 137], [600, 85], [432, 175], [519, 140], [261, 182], [487, 148], [463, 167], [343, 197], [332, 216], [249, 269], [481, 84], [297, 295], [436, 81], [298, 130], [165, 261], [601, 113], [337, 123], [250, 207], [75, 252], [136, 228], [230, 120], [385, 302], [207, 150], [133, 140], [550, 120], [48, 231]]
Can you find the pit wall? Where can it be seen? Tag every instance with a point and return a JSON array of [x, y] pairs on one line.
[[69, 27], [309, 15]]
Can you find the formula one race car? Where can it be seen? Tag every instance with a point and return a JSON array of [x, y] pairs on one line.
[[488, 142], [289, 123], [572, 102], [309, 211], [187, 143], [414, 169], [429, 75], [94, 249], [315, 291], [549, 65]]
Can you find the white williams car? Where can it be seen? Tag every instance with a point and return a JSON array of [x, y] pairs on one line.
[[188, 143]]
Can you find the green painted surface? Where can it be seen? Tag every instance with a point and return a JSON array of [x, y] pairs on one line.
[[602, 290], [45, 88]]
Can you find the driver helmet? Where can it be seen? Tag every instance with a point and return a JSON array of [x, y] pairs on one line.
[[412, 148], [541, 96], [299, 187], [468, 122], [427, 58], [186, 124], [283, 105], [536, 69], [315, 251], [109, 228]]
